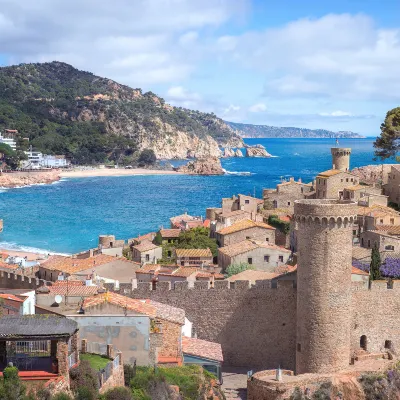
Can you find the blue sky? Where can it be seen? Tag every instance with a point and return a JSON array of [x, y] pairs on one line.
[[314, 64]]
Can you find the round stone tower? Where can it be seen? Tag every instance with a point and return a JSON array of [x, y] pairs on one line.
[[324, 261], [341, 158]]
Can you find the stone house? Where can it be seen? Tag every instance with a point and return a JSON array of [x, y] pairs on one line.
[[18, 301], [357, 192], [186, 221], [193, 257], [262, 255], [371, 199], [146, 251], [245, 229], [285, 194], [169, 236], [109, 245], [242, 202], [386, 238], [370, 218], [332, 183], [392, 187]]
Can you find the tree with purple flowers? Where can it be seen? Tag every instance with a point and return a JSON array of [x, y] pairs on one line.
[[391, 268]]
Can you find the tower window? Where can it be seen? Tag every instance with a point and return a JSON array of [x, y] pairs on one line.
[[363, 342], [388, 344], [298, 347], [250, 261]]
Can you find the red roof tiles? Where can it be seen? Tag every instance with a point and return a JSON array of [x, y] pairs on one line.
[[202, 348]]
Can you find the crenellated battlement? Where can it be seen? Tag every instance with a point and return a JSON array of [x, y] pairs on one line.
[[17, 281]]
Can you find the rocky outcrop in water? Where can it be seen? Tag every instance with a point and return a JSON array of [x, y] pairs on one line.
[[204, 166], [238, 153], [257, 151], [228, 152]]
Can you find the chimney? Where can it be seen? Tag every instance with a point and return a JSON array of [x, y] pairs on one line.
[[88, 281]]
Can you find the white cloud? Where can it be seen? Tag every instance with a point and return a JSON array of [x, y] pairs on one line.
[[135, 42], [179, 96], [338, 113], [338, 56], [259, 107]]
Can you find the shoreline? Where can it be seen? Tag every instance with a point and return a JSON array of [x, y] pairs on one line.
[[88, 173]]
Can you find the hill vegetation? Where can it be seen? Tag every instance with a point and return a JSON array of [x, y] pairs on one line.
[[266, 131], [92, 120]]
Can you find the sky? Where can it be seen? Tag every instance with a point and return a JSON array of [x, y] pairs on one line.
[[312, 64]]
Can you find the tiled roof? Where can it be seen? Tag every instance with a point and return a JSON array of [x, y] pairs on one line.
[[71, 265], [73, 290], [207, 223], [357, 187], [361, 252], [68, 282], [121, 301], [149, 268], [12, 297], [146, 245], [377, 210], [170, 233], [330, 172], [248, 245], [242, 225], [390, 229], [285, 269], [184, 272], [357, 271], [147, 307], [8, 266], [167, 312], [252, 275], [202, 348], [22, 326], [193, 253], [234, 213], [206, 274]]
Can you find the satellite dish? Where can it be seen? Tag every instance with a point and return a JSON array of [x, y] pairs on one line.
[[58, 299]]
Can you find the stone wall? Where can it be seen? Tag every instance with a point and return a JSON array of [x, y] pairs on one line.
[[255, 326], [384, 241], [257, 233], [15, 281], [171, 336]]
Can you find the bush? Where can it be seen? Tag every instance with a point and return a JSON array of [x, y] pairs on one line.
[[283, 226], [84, 381], [62, 396], [234, 269], [147, 157], [117, 393], [11, 387]]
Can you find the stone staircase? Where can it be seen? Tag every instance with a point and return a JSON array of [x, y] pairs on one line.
[[365, 355]]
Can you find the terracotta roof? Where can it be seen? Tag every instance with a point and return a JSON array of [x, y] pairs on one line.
[[234, 213], [202, 348], [193, 252], [357, 271], [390, 229], [248, 245], [68, 282], [252, 275], [242, 225], [149, 267], [330, 172], [377, 210], [357, 187], [151, 308], [146, 245], [170, 233], [206, 274], [207, 223], [71, 265], [12, 297], [73, 290], [121, 301], [361, 252], [148, 236], [183, 271], [285, 269], [9, 266]]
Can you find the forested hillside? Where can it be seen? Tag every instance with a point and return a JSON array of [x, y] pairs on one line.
[[91, 119]]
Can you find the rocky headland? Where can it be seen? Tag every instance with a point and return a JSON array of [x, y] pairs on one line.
[[204, 166], [19, 178]]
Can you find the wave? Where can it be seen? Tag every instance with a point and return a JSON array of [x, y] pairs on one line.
[[273, 156], [236, 172], [16, 247]]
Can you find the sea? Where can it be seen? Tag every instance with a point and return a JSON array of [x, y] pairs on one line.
[[68, 216]]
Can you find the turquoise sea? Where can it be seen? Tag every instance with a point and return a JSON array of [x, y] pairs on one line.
[[68, 216]]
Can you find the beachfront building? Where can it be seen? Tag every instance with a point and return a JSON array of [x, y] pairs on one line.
[[146, 252], [243, 230], [193, 257], [261, 255], [36, 160], [8, 138]]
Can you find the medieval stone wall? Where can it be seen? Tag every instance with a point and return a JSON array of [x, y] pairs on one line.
[[257, 233]]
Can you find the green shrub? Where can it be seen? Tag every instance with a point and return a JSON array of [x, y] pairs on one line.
[[283, 226], [62, 396], [84, 381], [118, 393], [234, 269]]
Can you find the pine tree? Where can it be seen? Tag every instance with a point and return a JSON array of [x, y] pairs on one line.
[[374, 270]]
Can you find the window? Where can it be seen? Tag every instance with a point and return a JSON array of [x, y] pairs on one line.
[[388, 344], [288, 203], [169, 253], [341, 180], [347, 179], [247, 237], [351, 180], [363, 342], [267, 239], [250, 261], [147, 257], [354, 232], [381, 221], [298, 347], [369, 243], [169, 240], [247, 202], [391, 221], [266, 258], [281, 258], [389, 247]]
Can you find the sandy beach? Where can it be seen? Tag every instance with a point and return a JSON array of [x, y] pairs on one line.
[[28, 255], [86, 173]]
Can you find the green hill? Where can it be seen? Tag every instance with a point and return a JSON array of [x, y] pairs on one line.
[[92, 120]]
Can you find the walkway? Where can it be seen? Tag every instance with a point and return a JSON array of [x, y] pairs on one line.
[[235, 383]]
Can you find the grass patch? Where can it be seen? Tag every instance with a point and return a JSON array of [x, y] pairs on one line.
[[96, 361]]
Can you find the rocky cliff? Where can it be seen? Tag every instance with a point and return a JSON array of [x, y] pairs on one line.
[[205, 166], [92, 119], [257, 151]]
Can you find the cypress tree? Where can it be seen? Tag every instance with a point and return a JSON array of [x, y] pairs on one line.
[[374, 270]]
